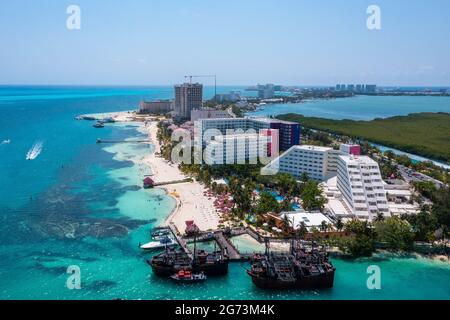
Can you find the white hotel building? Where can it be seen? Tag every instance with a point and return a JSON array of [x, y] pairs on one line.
[[242, 148], [359, 180], [359, 189], [319, 163]]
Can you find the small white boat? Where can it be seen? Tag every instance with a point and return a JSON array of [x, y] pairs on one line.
[[164, 242], [7, 141], [34, 151]]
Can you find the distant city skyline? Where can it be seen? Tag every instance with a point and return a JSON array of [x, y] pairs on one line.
[[294, 43]]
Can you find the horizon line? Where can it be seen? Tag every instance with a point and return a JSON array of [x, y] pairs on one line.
[[219, 85]]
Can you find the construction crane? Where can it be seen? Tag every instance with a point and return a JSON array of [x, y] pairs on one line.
[[205, 76]]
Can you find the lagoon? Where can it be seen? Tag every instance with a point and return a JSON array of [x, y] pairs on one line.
[[359, 107]]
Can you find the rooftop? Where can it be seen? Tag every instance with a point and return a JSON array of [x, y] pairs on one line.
[[357, 160], [312, 148], [311, 219], [266, 120]]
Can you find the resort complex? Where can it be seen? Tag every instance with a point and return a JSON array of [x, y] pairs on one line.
[[289, 132]]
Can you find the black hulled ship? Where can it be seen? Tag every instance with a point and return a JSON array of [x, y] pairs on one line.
[[298, 269], [212, 264], [171, 261]]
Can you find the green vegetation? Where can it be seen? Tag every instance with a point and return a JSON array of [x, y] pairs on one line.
[[237, 111], [243, 180], [434, 221], [361, 244], [392, 233], [395, 233], [399, 233], [426, 134]]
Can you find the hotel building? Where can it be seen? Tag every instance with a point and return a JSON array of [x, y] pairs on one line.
[[157, 107], [188, 96], [241, 148], [198, 114], [353, 149], [359, 180], [319, 163], [289, 132]]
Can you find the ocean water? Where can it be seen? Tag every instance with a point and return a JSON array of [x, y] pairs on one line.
[[359, 107], [80, 203]]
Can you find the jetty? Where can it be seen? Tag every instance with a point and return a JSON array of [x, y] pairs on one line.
[[181, 241], [150, 183], [226, 245], [122, 141]]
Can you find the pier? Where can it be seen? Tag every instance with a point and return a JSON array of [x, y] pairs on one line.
[[165, 183], [227, 246], [122, 141], [181, 242]]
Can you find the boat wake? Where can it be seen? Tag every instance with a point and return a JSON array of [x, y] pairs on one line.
[[35, 150]]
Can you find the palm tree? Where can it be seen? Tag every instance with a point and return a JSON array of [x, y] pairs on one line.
[[286, 224], [379, 217], [339, 224], [323, 226], [304, 178], [302, 230]]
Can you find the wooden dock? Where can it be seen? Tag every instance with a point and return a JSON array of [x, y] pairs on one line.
[[182, 242], [227, 246], [164, 183]]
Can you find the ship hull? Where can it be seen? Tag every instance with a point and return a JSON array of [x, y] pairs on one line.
[[217, 269], [311, 282]]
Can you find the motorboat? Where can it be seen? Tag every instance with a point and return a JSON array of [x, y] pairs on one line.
[[186, 276], [162, 243]]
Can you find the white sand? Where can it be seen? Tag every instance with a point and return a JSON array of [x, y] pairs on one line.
[[191, 203]]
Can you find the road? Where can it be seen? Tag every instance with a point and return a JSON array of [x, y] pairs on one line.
[[409, 175]]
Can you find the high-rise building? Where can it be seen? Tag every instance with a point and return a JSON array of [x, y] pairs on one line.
[[351, 87], [242, 148], [266, 91], [198, 114], [359, 181], [371, 88], [338, 87], [354, 149], [319, 163], [232, 96], [289, 132], [188, 96]]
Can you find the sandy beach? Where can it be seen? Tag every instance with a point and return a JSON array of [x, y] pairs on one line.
[[192, 204]]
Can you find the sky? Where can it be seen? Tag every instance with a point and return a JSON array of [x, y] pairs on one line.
[[243, 42]]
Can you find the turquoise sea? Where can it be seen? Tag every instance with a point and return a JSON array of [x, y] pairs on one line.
[[79, 203]]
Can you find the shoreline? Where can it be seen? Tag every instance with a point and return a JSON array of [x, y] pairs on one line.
[[190, 201]]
